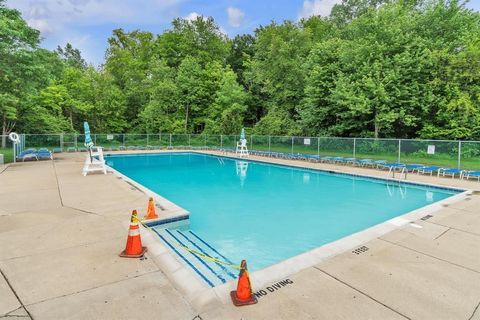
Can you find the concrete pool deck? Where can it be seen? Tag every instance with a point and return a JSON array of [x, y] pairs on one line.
[[61, 234]]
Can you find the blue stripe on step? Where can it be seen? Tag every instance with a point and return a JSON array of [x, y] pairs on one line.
[[211, 248], [201, 250], [184, 259], [198, 258]]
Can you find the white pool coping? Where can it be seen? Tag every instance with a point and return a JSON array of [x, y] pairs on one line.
[[191, 285]]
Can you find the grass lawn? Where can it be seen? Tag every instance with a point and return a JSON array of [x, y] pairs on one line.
[[7, 154], [440, 159]]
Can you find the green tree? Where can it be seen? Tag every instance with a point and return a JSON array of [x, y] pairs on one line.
[[161, 113], [276, 67], [225, 115], [71, 56], [200, 38], [18, 43], [46, 113]]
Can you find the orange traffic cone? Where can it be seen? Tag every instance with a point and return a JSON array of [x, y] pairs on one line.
[[134, 247], [151, 214], [243, 296]]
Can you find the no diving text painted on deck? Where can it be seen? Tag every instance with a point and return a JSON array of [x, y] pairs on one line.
[[272, 288]]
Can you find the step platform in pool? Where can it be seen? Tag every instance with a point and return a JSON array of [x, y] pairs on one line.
[[195, 253]]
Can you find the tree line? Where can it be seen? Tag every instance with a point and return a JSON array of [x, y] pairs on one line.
[[373, 68]]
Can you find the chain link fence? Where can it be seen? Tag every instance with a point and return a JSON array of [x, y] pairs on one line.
[[445, 153]]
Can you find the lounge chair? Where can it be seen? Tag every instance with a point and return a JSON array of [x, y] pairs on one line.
[[451, 171], [312, 157], [57, 150], [27, 154], [473, 174], [350, 160], [412, 167], [429, 169], [44, 153], [366, 162], [379, 163], [71, 149], [338, 159]]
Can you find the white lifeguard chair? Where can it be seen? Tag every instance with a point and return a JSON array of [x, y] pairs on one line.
[[94, 161], [242, 150]]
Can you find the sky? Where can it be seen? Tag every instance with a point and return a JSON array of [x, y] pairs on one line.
[[87, 24]]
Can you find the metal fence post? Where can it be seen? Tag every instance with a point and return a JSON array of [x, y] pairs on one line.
[[292, 144], [123, 139], [399, 149], [221, 141], [205, 139], [95, 139], [354, 147], [170, 140], [251, 142], [459, 154], [147, 138], [269, 143], [318, 146], [76, 144], [61, 142], [189, 143]]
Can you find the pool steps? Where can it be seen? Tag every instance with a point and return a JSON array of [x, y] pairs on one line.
[[211, 272]]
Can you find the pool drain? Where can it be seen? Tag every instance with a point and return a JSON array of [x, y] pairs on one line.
[[360, 250], [428, 216]]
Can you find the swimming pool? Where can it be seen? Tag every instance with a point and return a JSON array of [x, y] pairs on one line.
[[266, 213]]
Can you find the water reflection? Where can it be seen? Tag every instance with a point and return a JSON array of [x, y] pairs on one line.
[[394, 189], [242, 167], [306, 178], [429, 196]]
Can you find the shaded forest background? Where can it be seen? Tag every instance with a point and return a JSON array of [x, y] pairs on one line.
[[373, 68]]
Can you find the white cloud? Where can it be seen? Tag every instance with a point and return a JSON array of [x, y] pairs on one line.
[[62, 21], [317, 8], [97, 12], [235, 17], [192, 16], [40, 24]]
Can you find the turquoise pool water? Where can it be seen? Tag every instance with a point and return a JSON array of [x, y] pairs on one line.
[[266, 213]]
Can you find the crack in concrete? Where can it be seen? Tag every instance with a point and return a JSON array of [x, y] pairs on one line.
[[4, 169], [58, 183], [10, 315], [429, 255], [474, 311], [58, 249], [453, 228], [6, 314], [441, 234], [361, 292], [92, 288], [16, 295]]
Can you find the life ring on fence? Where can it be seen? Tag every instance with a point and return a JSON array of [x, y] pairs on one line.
[[14, 137]]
